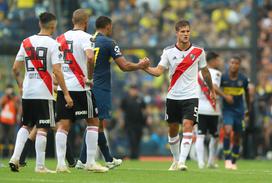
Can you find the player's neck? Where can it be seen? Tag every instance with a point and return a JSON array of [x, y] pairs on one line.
[[44, 32], [183, 46], [233, 75], [78, 27], [101, 31]]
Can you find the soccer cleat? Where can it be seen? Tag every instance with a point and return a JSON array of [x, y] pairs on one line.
[[212, 166], [14, 165], [96, 168], [201, 165], [228, 164], [79, 165], [114, 163], [43, 169], [234, 167], [72, 165], [62, 169], [174, 166], [22, 164], [182, 167]]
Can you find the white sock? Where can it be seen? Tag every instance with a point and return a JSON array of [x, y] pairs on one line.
[[40, 145], [211, 151], [200, 149], [185, 146], [21, 138], [61, 140], [91, 142], [174, 146]]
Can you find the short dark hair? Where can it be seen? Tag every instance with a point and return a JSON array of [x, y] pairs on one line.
[[46, 17], [102, 21], [182, 23], [237, 57], [211, 55]]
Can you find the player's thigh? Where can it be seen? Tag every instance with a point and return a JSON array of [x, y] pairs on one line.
[[202, 124], [238, 125], [213, 125], [228, 118], [38, 112], [103, 102], [62, 112], [173, 111], [190, 109]]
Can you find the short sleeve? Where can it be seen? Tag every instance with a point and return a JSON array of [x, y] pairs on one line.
[[202, 60], [246, 82], [87, 42], [21, 54], [115, 51], [217, 79], [56, 54], [164, 60]]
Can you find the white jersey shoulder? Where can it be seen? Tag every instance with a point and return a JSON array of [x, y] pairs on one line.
[[46, 51], [78, 42], [188, 62], [205, 107]]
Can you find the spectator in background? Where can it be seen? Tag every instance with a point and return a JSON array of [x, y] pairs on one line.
[[8, 118], [133, 107]]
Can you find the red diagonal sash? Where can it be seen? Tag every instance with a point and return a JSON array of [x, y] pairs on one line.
[[44, 75], [205, 89], [75, 68], [184, 65]]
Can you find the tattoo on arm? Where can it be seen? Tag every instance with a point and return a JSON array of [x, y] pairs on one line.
[[207, 77]]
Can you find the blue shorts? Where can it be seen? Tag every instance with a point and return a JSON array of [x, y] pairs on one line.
[[103, 102], [233, 119]]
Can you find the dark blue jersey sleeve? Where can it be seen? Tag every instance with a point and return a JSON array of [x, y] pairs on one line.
[[115, 51]]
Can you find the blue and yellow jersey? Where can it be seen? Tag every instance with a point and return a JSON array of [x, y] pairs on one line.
[[105, 49], [237, 89]]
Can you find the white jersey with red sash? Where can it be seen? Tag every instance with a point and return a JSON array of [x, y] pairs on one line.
[[204, 105], [183, 69], [74, 43], [40, 53]]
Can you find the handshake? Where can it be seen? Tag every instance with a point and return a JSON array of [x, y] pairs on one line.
[[144, 63]]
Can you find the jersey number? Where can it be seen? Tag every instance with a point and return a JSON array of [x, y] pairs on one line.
[[69, 50], [96, 51], [38, 54]]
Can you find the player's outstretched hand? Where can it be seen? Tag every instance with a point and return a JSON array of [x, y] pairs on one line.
[[69, 101], [229, 99], [144, 63]]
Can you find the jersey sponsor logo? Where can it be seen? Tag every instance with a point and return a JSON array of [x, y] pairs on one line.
[[78, 113], [44, 121], [234, 91], [36, 60], [67, 48], [184, 65]]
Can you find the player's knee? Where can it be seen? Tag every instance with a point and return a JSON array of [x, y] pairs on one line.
[[187, 126], [93, 122], [173, 129]]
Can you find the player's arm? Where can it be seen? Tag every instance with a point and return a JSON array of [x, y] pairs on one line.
[[126, 65], [208, 80], [155, 71], [90, 63], [60, 79], [17, 67]]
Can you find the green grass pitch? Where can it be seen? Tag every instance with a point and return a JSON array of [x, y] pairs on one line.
[[146, 172]]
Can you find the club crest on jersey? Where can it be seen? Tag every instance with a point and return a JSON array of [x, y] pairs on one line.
[[192, 56], [240, 83]]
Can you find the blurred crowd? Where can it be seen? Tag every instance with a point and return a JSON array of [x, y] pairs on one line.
[[149, 24]]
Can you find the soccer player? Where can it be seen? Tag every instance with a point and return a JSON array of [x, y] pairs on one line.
[[234, 84], [41, 56], [78, 55], [183, 61], [105, 49], [208, 112]]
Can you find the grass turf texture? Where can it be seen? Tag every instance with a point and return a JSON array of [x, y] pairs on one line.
[[146, 172]]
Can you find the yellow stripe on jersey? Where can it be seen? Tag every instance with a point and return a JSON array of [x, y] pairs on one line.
[[235, 91]]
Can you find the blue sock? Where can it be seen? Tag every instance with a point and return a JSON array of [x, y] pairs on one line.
[[83, 151], [227, 152], [102, 143], [235, 153]]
